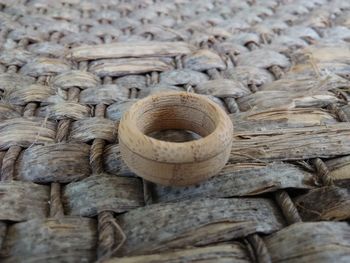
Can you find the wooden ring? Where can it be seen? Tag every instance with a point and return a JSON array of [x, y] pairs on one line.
[[173, 163]]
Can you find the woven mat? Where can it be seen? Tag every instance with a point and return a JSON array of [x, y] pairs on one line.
[[70, 68]]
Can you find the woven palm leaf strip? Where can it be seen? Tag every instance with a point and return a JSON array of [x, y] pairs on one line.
[[70, 68]]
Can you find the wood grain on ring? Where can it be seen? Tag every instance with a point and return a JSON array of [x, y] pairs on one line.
[[173, 163]]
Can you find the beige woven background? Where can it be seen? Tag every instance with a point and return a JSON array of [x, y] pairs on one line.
[[70, 68]]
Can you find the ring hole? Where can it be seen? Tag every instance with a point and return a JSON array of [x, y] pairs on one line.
[[177, 119], [175, 135]]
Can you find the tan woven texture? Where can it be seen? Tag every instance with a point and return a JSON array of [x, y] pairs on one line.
[[70, 68]]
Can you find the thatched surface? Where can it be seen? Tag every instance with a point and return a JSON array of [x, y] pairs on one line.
[[69, 69]]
